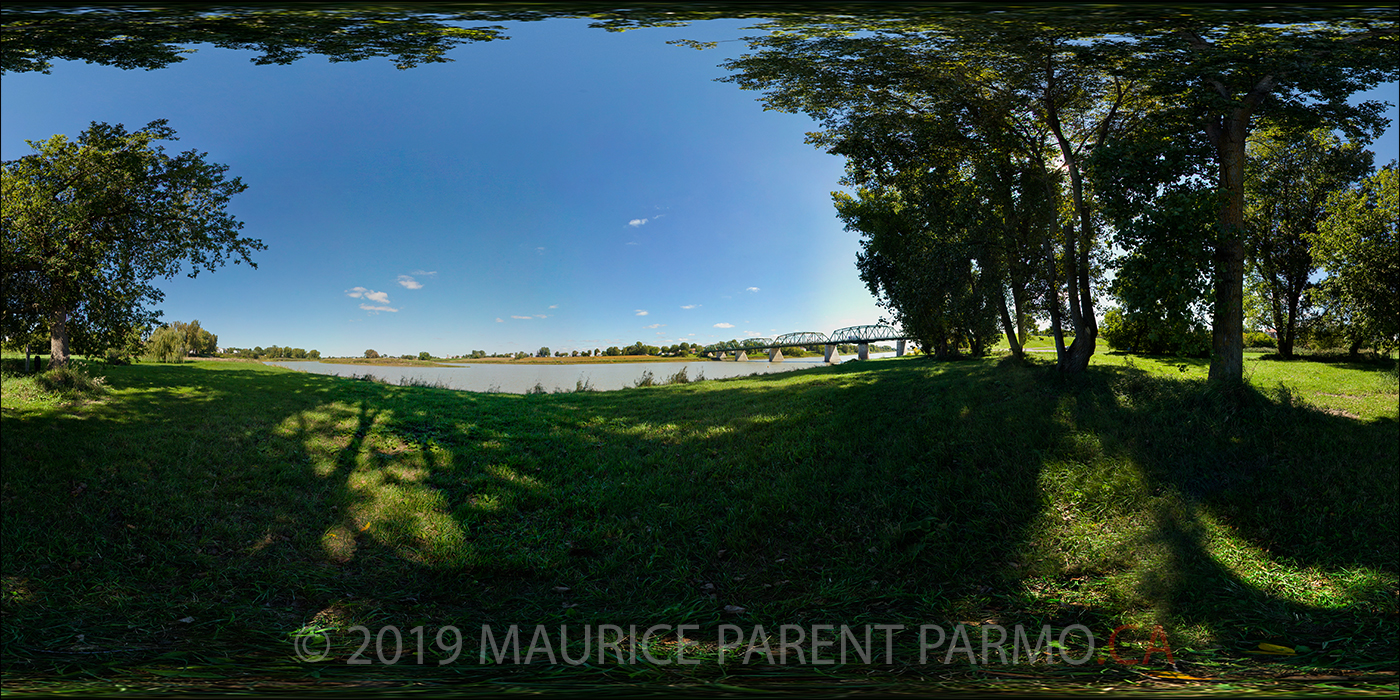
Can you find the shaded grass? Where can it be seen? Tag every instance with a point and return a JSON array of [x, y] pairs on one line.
[[215, 508]]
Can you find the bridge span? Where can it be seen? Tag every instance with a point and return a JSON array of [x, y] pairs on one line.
[[860, 336]]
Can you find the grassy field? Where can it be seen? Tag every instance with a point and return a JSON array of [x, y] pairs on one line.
[[186, 524]]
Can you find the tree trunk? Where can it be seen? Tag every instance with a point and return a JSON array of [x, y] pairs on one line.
[[1012, 338], [1227, 332], [58, 338], [1290, 331], [27, 365], [1081, 298]]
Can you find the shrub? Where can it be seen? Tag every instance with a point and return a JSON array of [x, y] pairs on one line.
[[1141, 334], [1255, 339], [70, 383]]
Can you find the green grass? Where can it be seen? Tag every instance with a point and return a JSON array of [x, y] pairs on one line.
[[199, 513]]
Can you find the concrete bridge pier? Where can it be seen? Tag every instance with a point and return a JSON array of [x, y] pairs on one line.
[[863, 351], [899, 348], [775, 354], [741, 356], [831, 355]]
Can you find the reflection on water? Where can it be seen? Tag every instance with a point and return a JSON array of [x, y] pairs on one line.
[[520, 379]]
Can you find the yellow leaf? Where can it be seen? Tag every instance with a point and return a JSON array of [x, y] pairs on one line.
[[1267, 648]]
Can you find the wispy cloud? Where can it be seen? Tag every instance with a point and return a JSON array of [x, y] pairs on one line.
[[407, 282], [655, 325], [356, 292], [751, 289], [424, 273], [540, 250], [523, 318], [640, 312], [637, 222], [690, 306], [367, 307], [541, 316], [381, 297], [499, 320], [724, 325], [553, 306]]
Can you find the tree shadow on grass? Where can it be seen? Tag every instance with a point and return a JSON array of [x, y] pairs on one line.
[[257, 501]]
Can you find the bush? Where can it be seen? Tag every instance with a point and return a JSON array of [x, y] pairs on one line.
[[70, 383], [1255, 339], [167, 344], [1140, 334]]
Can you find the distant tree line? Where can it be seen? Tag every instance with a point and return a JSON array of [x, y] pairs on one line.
[[273, 352]]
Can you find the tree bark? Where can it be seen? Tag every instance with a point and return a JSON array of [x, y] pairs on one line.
[[1227, 332], [1012, 338], [58, 338]]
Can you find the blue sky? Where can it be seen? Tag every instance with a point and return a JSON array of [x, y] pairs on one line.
[[568, 187]]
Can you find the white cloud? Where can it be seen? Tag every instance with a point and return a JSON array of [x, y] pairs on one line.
[[655, 325], [553, 306], [642, 313], [633, 243], [522, 318], [540, 250], [356, 292], [751, 289], [424, 273], [498, 320], [637, 222], [541, 316], [367, 307], [408, 282], [381, 297], [751, 334], [689, 306], [724, 325]]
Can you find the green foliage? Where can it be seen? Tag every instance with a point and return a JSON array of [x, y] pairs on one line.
[[1357, 247], [369, 354], [167, 344], [1255, 339], [425, 356], [1139, 333], [35, 37], [1287, 183], [542, 352], [89, 223], [1152, 191]]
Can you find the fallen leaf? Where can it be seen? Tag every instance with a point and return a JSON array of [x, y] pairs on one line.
[[186, 620], [1274, 649], [733, 609]]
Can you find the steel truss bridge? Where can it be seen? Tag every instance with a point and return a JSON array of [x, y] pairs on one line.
[[860, 336]]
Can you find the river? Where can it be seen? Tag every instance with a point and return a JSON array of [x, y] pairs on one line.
[[522, 378]]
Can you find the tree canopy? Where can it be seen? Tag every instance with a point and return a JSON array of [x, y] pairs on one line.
[[89, 223]]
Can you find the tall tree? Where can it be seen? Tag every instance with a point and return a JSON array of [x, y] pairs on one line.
[[1011, 99], [1222, 74], [1287, 182], [1358, 246], [89, 223]]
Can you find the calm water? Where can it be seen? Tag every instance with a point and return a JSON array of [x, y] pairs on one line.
[[519, 379]]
